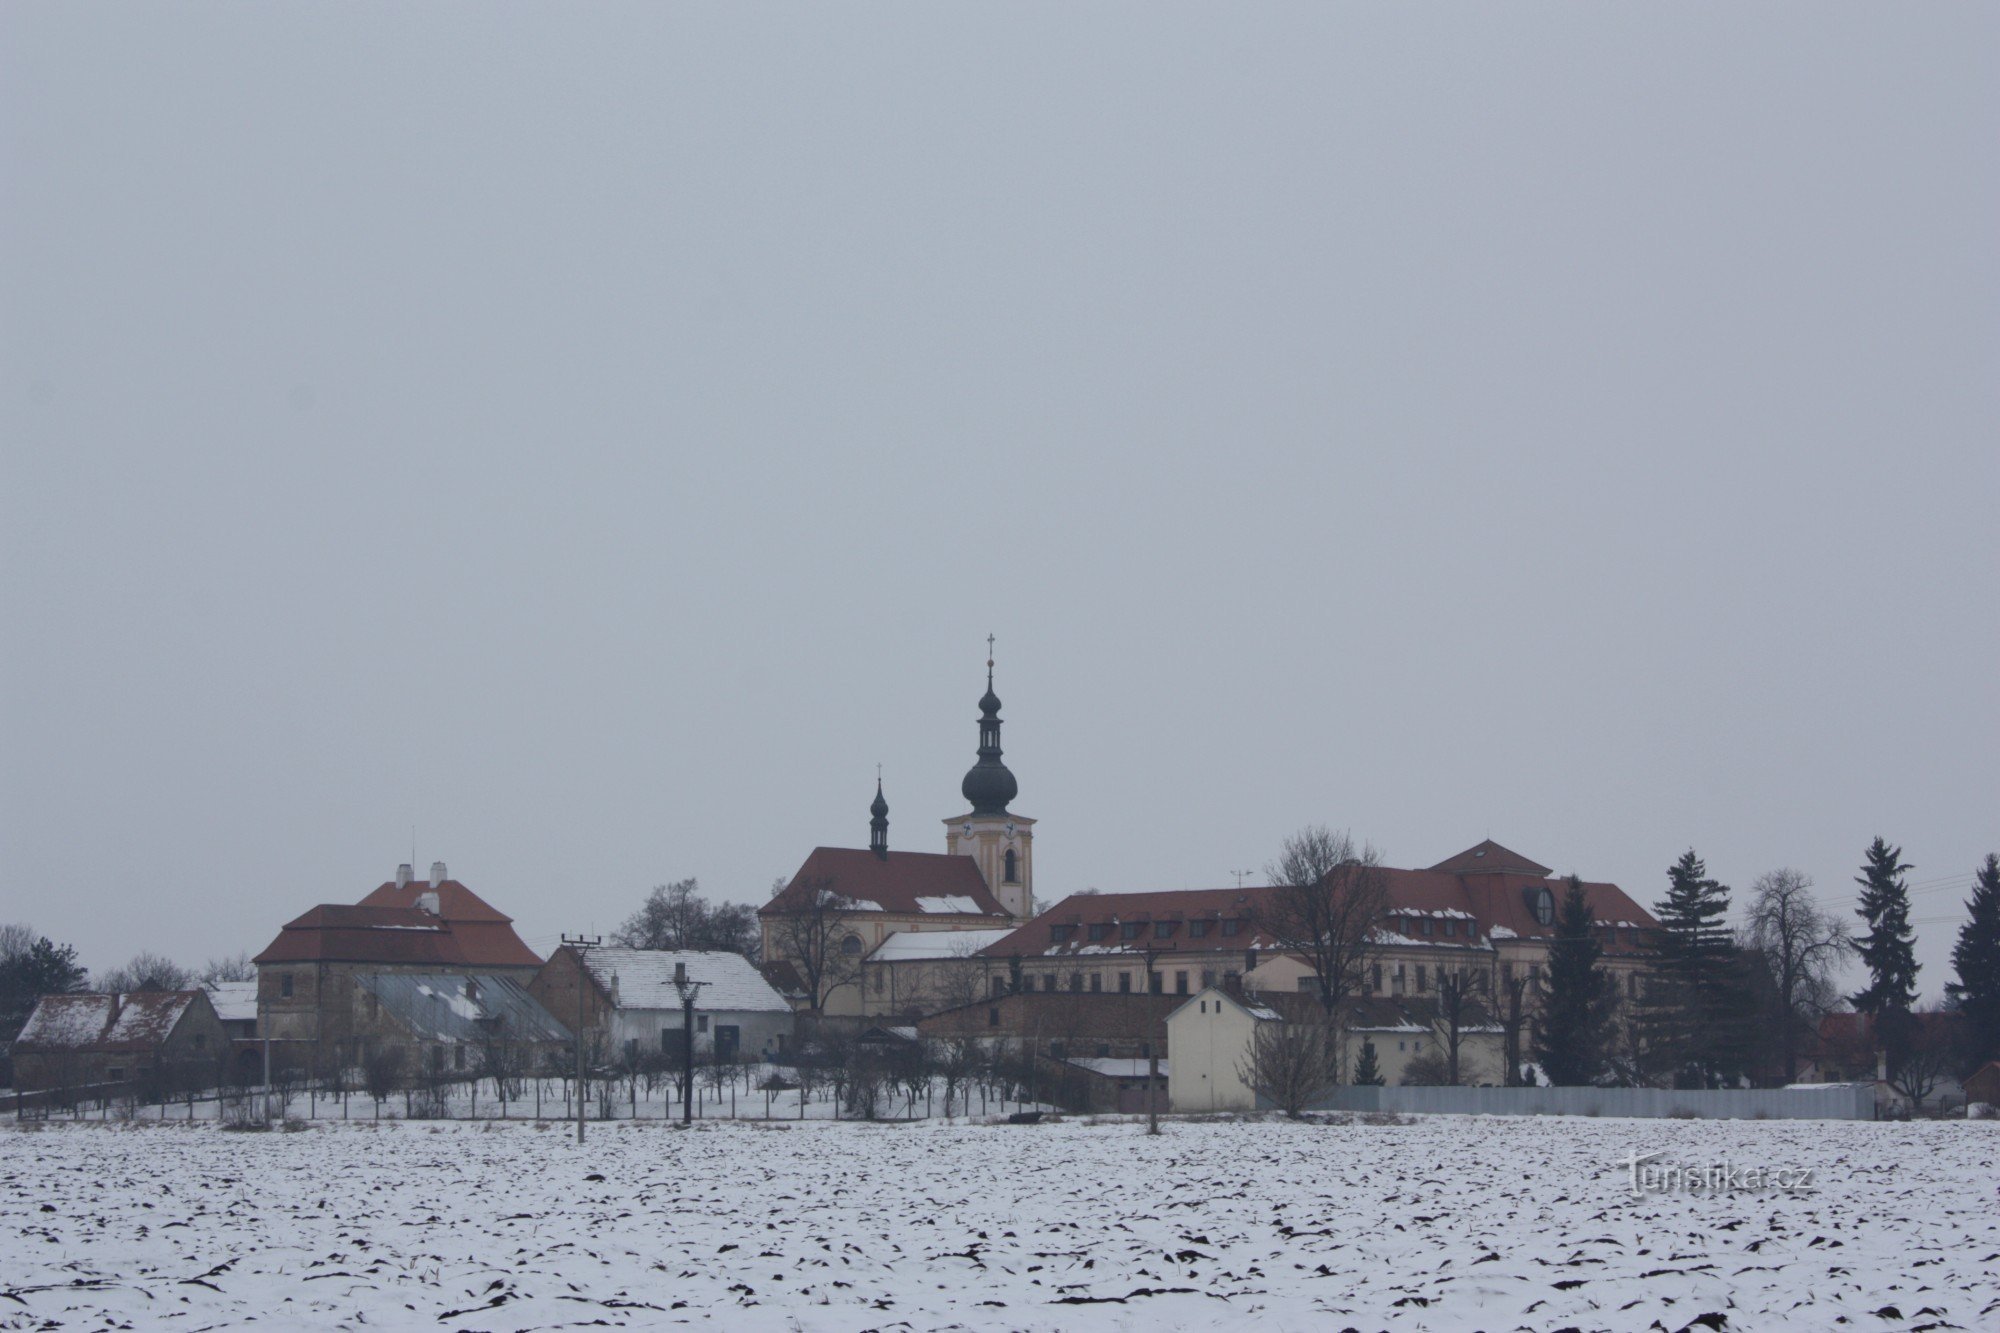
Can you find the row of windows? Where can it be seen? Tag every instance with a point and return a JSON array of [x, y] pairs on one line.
[[1122, 983], [1161, 930]]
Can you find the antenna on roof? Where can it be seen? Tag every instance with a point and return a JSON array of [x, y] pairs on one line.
[[1242, 875]]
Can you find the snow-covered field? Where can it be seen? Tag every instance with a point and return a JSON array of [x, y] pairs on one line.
[[1445, 1223]]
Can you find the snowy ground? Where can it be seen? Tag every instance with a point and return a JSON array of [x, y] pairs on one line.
[[1445, 1223]]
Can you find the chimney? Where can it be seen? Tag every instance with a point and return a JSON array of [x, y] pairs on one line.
[[437, 873], [403, 873], [427, 902]]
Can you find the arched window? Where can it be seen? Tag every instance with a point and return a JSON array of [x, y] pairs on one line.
[[1010, 872], [851, 946]]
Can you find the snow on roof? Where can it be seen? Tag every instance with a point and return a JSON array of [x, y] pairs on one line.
[[1117, 1068], [644, 979], [435, 1006], [907, 946], [1501, 933], [954, 902], [66, 1022], [234, 1001], [145, 1019]]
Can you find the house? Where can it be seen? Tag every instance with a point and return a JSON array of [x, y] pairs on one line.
[[1983, 1085], [1487, 913], [154, 1042], [631, 1002], [1100, 1083], [306, 977], [236, 1005], [843, 903], [1848, 1049], [454, 1023], [1209, 1037]]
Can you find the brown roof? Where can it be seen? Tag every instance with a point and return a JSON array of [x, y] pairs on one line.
[[1490, 858], [108, 1024], [912, 883], [1489, 899], [388, 927]]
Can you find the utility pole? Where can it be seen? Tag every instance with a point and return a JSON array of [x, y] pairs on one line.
[[689, 990], [580, 946]]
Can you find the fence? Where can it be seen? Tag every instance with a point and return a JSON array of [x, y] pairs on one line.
[[1836, 1102]]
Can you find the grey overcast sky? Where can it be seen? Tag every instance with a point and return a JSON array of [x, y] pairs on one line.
[[597, 436]]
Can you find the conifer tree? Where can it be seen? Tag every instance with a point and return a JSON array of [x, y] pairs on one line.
[[1577, 1003], [1889, 949], [1976, 959], [1697, 1020], [1367, 1072]]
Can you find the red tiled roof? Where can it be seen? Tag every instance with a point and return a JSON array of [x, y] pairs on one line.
[[1490, 858], [1490, 898], [894, 884], [388, 927]]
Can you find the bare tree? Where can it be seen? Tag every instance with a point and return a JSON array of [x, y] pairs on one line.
[[146, 972], [815, 933], [1799, 946], [382, 1074], [1428, 1070], [1456, 1010], [1513, 1022], [235, 967], [676, 916], [1292, 1063], [1922, 1057], [1326, 898]]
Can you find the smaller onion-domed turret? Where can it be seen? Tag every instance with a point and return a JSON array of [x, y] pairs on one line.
[[878, 824]]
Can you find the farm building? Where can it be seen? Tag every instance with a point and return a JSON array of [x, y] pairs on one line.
[[631, 1002], [149, 1041]]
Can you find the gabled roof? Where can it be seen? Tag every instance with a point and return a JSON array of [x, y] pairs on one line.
[[1498, 901], [1255, 1008], [389, 926], [461, 1007], [910, 883], [1490, 858], [112, 1024], [234, 1001], [644, 979]]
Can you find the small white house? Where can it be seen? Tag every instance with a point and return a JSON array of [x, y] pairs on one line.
[[1207, 1040], [632, 1001]]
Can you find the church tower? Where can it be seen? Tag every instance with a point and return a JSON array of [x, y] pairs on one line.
[[1001, 844]]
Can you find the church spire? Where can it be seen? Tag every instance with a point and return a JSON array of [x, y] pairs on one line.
[[878, 824], [989, 786]]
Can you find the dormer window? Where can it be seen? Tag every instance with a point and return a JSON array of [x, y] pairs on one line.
[[1061, 934], [1097, 930], [1232, 926], [1543, 903], [1128, 930], [1425, 925], [1163, 930], [1197, 929]]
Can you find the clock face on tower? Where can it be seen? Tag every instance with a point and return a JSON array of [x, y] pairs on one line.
[[968, 830], [1010, 828]]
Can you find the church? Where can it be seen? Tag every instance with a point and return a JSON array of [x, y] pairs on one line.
[[848, 906]]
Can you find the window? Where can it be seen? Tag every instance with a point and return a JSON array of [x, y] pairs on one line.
[[1401, 1047], [1204, 1006], [1207, 977], [851, 946], [999, 987], [1156, 982], [1049, 982], [285, 985], [1102, 1050], [1451, 927], [1231, 980], [1076, 981], [1061, 934], [1180, 983], [1232, 926], [1009, 871], [1507, 972], [1197, 929], [457, 1055], [1098, 929], [701, 1022], [1421, 983], [993, 1018], [1375, 982], [1417, 1045], [1534, 974], [878, 980], [116, 1072], [1544, 904], [1056, 1050], [1631, 987], [1129, 931], [1424, 926], [1096, 981], [1124, 983], [1163, 930], [1396, 981], [1306, 985]]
